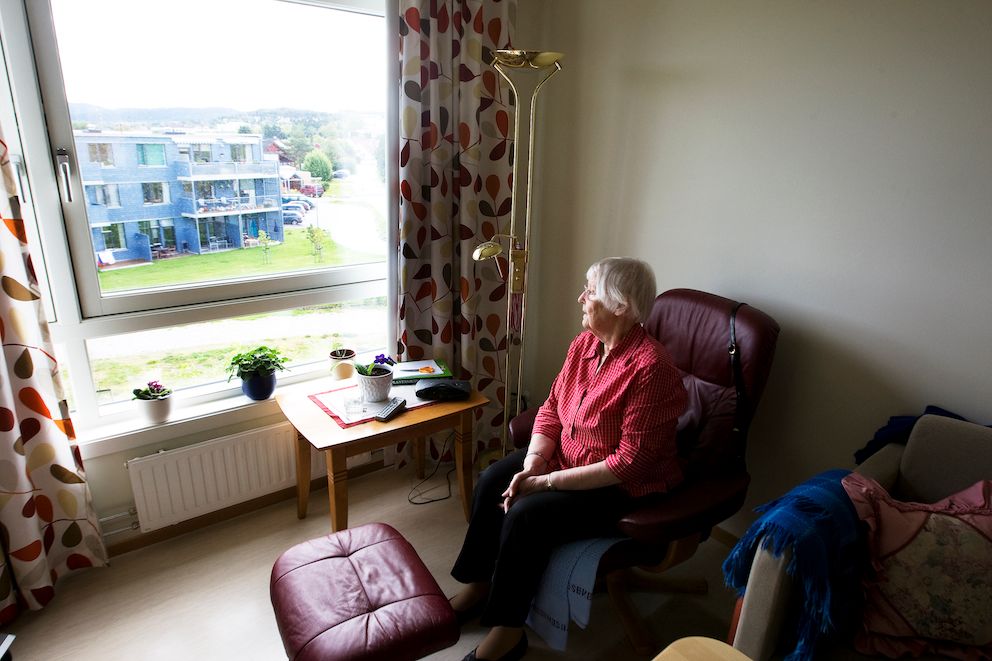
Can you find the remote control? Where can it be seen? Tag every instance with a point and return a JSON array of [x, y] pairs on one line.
[[391, 410]]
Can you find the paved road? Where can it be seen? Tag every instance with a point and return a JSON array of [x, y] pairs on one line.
[[357, 219]]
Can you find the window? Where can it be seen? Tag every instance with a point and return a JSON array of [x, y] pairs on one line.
[[151, 154], [196, 355], [154, 193], [113, 237], [100, 152], [160, 233], [104, 195], [149, 270], [201, 153], [221, 144]]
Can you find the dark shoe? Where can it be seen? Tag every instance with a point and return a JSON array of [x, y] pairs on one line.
[[472, 613], [515, 654]]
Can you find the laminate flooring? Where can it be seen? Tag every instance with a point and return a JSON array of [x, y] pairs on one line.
[[205, 594]]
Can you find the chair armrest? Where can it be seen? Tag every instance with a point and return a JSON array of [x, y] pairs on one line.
[[883, 466], [521, 427], [767, 599]]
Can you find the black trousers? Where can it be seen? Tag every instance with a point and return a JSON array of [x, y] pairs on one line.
[[511, 550]]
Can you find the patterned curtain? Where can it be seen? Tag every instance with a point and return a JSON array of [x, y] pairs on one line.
[[456, 153], [47, 525]]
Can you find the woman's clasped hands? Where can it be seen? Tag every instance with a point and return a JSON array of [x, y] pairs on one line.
[[527, 481]]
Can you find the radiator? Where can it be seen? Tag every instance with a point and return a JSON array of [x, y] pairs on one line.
[[175, 485]]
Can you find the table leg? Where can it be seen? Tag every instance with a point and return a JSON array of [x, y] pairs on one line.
[[302, 475], [337, 488], [419, 444], [463, 460]]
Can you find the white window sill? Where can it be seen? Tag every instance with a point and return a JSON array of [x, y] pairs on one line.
[[187, 418]]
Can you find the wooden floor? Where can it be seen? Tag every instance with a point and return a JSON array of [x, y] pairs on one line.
[[205, 595]]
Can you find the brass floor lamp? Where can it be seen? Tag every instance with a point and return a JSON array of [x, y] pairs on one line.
[[520, 64]]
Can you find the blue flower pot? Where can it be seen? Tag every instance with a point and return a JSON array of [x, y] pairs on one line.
[[259, 387]]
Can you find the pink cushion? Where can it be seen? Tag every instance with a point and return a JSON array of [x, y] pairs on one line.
[[932, 581], [361, 594]]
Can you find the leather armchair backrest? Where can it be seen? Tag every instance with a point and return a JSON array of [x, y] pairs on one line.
[[695, 328], [942, 457]]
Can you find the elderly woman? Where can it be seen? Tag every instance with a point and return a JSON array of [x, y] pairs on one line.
[[605, 436]]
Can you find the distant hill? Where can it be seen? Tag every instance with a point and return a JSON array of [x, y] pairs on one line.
[[151, 116], [109, 118]]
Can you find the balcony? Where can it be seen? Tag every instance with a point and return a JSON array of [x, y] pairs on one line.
[[226, 206], [186, 171]]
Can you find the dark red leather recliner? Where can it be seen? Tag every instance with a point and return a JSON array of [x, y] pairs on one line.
[[666, 529]]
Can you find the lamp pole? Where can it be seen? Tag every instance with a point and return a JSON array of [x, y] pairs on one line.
[[516, 62]]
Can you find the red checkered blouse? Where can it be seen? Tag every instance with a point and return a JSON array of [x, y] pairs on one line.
[[626, 413]]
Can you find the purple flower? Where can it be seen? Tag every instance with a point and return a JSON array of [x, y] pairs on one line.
[[383, 359], [154, 390]]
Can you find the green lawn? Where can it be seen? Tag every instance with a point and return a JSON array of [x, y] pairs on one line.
[[295, 254]]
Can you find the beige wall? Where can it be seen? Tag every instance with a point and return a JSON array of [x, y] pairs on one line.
[[829, 162]]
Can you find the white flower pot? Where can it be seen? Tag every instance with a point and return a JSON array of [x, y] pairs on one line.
[[342, 365], [374, 388], [156, 411]]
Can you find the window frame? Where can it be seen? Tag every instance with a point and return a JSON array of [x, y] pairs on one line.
[[75, 318], [92, 300]]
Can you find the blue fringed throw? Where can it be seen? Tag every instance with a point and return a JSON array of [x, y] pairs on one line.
[[817, 521]]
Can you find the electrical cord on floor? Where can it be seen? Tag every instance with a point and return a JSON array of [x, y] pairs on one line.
[[414, 493]]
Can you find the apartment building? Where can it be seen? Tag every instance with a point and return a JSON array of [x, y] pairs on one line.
[[154, 195]]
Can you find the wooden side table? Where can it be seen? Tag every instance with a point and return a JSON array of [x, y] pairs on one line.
[[315, 428]]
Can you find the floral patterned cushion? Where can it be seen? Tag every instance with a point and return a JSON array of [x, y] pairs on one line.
[[930, 589]]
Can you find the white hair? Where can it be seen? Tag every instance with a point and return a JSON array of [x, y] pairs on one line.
[[625, 285]]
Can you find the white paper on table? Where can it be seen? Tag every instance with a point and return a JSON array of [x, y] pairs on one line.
[[347, 404]]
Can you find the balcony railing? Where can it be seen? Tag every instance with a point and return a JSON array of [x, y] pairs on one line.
[[229, 169], [223, 206]]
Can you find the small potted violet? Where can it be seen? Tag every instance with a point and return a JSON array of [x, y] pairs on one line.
[[156, 401], [375, 378]]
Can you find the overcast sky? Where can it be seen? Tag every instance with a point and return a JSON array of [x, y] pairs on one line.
[[243, 54]]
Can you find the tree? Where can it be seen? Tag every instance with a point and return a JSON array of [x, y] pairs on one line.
[[316, 237], [272, 131], [264, 240], [299, 145], [244, 128], [317, 164]]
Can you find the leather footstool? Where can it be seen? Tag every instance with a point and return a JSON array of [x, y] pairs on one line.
[[362, 593]]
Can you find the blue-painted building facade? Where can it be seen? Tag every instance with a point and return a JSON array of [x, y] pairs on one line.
[[151, 195]]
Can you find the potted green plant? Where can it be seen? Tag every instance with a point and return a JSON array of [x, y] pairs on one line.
[[375, 379], [155, 401], [257, 371]]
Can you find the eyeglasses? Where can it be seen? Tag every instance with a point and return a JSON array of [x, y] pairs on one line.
[[587, 292]]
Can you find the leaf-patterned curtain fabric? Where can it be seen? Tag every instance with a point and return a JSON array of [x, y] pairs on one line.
[[47, 525], [456, 152]]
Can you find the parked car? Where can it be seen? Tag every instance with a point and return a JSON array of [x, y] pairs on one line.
[[340, 174], [295, 206], [315, 190], [305, 201], [292, 217]]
